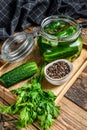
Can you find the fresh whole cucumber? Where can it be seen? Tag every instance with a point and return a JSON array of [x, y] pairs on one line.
[[19, 73]]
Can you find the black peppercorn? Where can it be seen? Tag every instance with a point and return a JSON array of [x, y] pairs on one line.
[[58, 70]]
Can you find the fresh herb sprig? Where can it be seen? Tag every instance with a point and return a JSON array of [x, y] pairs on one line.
[[33, 104]]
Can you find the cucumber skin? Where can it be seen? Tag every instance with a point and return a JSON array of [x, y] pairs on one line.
[[60, 54], [64, 52], [19, 73]]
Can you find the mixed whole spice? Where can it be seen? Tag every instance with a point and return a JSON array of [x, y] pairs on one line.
[[58, 70]]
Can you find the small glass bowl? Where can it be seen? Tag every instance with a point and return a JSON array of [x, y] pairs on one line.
[[58, 81]]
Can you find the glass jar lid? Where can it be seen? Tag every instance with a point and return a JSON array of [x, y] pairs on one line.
[[16, 47]]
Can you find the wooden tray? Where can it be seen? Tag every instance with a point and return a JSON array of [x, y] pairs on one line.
[[78, 65]]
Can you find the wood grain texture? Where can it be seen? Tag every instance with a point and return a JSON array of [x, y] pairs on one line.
[[59, 91], [73, 79], [78, 91], [8, 97], [71, 117]]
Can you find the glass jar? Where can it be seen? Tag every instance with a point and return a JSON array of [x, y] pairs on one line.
[[60, 38]]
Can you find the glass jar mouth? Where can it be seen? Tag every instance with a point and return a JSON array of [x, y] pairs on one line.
[[56, 18], [16, 47]]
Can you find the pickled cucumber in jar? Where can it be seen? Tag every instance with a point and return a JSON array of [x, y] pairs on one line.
[[60, 38]]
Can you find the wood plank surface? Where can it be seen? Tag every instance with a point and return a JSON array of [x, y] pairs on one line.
[[73, 79], [59, 91], [78, 91], [72, 117]]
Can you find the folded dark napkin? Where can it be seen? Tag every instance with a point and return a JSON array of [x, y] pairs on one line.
[[17, 15]]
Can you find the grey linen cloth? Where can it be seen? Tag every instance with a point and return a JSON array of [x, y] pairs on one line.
[[17, 15]]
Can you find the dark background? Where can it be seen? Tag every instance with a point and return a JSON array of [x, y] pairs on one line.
[[20, 14]]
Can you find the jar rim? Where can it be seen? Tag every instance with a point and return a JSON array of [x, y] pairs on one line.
[[68, 19]]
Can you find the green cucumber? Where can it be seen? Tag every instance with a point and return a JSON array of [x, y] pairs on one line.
[[56, 26], [60, 53], [70, 52], [19, 73], [68, 32]]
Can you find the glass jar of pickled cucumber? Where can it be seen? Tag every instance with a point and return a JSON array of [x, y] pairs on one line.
[[59, 38]]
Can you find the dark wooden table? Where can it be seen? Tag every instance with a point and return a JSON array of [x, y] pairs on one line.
[[73, 114]]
